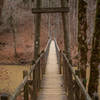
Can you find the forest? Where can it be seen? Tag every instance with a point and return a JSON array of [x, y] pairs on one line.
[[28, 29]]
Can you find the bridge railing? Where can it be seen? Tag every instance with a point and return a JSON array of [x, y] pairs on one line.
[[78, 85], [28, 89], [58, 55]]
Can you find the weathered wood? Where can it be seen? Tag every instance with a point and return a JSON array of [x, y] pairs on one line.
[[36, 77], [52, 83], [37, 43], [60, 63], [39, 73], [77, 80], [59, 54], [37, 31], [34, 86], [25, 73], [21, 86], [77, 96], [68, 74], [87, 97], [3, 98], [30, 82], [51, 10]]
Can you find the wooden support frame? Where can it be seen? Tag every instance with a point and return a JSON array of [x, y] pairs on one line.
[[25, 73], [77, 81], [51, 10], [25, 80]]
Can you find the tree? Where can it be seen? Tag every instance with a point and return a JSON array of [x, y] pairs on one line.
[[82, 43], [95, 54], [82, 36], [68, 74], [12, 26], [37, 46], [37, 33], [1, 6]]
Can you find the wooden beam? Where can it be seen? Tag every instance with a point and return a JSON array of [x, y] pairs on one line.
[[51, 10], [25, 73]]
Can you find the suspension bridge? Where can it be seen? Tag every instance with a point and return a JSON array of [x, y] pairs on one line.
[[48, 82]]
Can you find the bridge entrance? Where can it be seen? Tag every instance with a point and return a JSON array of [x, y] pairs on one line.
[[52, 85]]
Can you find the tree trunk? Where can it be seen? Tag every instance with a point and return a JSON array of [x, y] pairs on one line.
[[95, 56], [68, 74], [82, 43], [37, 33], [37, 44], [82, 36], [14, 39], [12, 25], [1, 6]]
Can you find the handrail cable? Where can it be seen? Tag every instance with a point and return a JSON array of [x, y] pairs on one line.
[[18, 89], [78, 81]]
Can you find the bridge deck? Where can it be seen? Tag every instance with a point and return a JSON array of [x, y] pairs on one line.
[[52, 83]]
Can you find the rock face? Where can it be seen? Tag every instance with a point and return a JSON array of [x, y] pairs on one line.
[[18, 19]]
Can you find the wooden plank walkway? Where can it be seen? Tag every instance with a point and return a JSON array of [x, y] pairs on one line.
[[52, 84]]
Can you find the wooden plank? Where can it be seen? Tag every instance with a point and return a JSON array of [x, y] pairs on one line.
[[51, 10]]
